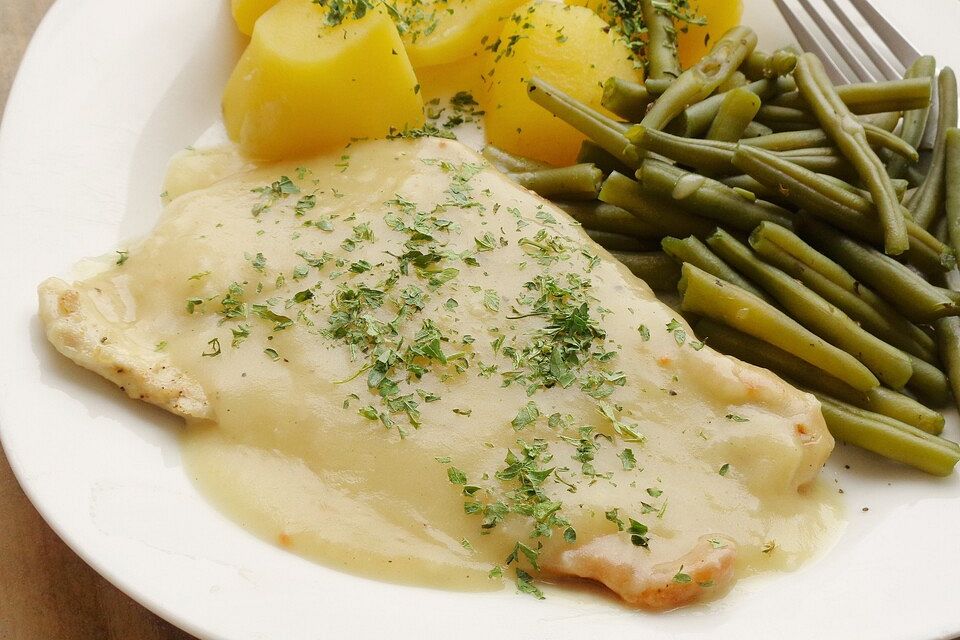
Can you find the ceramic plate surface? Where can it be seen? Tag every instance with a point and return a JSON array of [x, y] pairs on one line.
[[108, 91]]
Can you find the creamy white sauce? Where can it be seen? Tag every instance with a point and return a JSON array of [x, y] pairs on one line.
[[291, 459]]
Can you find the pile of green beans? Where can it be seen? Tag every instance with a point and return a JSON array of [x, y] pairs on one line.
[[792, 217]]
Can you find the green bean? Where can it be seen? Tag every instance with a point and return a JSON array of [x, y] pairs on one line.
[[832, 165], [926, 204], [761, 65], [715, 157], [782, 62], [927, 254], [746, 183], [618, 241], [604, 131], [576, 182], [929, 383], [872, 97], [785, 125], [709, 296], [600, 216], [735, 81], [916, 176], [774, 116], [661, 47], [889, 364], [508, 162], [879, 399], [887, 120], [900, 186], [815, 138], [707, 156], [626, 98], [783, 249], [755, 130], [593, 153], [848, 134], [845, 209], [737, 110], [913, 296], [789, 140], [910, 191], [889, 438], [656, 86], [657, 269], [812, 151], [952, 186], [755, 65], [697, 118], [948, 339], [700, 80], [700, 195], [698, 254], [882, 138], [915, 120], [657, 212]]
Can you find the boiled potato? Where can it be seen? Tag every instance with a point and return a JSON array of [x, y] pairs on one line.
[[597, 6], [443, 31], [569, 47], [246, 12], [693, 41], [303, 86], [434, 32], [696, 41]]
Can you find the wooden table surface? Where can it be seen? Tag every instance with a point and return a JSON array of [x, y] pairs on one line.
[[46, 591]]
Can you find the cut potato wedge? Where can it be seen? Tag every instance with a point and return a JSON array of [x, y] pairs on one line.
[[303, 86], [246, 12], [568, 46], [694, 41], [443, 31]]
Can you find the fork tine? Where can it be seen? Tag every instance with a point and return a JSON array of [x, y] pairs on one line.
[[888, 71], [906, 53], [809, 42], [863, 74]]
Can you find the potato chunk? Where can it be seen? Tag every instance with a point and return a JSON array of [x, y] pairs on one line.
[[693, 41], [696, 41], [569, 47], [303, 86], [246, 12], [443, 31]]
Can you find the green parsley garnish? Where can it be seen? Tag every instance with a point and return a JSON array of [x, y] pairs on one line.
[[304, 204], [678, 332], [525, 585], [527, 415], [273, 193], [213, 349], [638, 533], [456, 476]]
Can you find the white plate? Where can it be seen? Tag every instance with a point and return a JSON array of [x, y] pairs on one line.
[[108, 91]]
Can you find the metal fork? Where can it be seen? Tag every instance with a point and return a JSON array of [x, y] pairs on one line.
[[889, 65]]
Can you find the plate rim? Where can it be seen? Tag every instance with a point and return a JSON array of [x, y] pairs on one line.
[[128, 586]]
